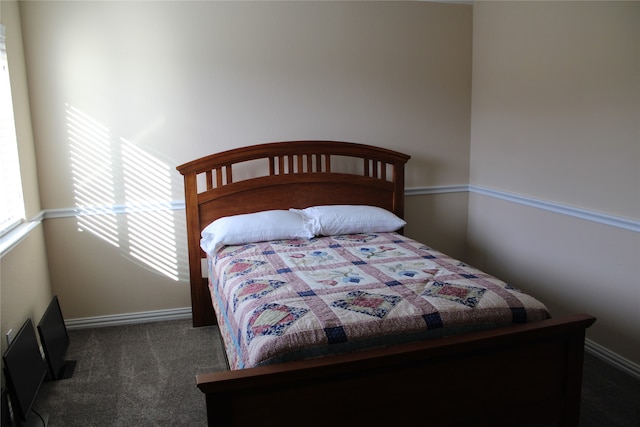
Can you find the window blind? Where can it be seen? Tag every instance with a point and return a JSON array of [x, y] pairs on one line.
[[12, 204]]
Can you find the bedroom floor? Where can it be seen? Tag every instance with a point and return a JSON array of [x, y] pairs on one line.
[[145, 375], [610, 397]]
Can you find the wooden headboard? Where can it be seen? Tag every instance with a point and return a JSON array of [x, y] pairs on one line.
[[282, 175]]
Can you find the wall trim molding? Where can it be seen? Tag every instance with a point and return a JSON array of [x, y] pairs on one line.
[[114, 209], [442, 189], [129, 318], [11, 239], [598, 217], [614, 359]]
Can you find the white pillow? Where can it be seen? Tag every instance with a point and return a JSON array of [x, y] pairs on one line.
[[348, 219], [254, 227]]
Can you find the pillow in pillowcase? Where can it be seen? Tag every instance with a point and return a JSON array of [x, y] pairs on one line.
[[332, 220], [254, 227]]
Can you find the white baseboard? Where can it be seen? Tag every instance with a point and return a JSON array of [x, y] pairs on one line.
[[612, 358], [591, 347], [129, 318]]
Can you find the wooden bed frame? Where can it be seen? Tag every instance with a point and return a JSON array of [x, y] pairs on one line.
[[516, 375]]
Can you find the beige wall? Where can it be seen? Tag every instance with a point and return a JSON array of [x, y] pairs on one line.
[[24, 279], [555, 117], [172, 81], [96, 278], [185, 79], [25, 289], [440, 221], [555, 102]]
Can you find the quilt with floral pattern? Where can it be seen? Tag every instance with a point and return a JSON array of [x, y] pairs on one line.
[[294, 299]]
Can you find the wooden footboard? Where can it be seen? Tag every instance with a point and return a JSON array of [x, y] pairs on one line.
[[508, 376]]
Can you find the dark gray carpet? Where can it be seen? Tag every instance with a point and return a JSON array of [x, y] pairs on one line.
[[610, 397], [135, 375], [144, 375]]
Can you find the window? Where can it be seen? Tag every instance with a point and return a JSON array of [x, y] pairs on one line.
[[12, 204]]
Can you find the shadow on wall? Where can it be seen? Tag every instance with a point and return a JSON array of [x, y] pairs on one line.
[[107, 170]]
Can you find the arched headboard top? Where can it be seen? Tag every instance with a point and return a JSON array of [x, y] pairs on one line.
[[292, 148]]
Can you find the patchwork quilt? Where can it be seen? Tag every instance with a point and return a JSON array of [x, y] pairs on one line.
[[293, 299]]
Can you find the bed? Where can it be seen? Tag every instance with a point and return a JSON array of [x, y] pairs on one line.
[[524, 372]]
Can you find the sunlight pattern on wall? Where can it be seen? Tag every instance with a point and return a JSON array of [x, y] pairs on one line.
[[106, 171], [147, 186], [92, 169]]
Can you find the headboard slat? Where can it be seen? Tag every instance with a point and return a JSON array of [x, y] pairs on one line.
[[209, 180], [290, 159], [272, 165], [280, 165], [229, 174]]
